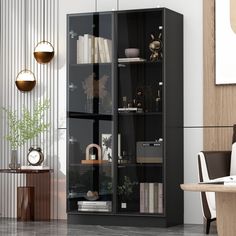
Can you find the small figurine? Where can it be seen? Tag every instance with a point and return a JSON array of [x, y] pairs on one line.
[[155, 47]]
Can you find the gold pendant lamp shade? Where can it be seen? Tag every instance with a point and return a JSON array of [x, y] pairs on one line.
[[25, 80], [43, 52]]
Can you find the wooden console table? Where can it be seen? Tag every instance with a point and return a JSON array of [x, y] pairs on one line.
[[40, 180], [225, 205]]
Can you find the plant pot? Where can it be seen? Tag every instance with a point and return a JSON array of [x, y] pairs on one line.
[[14, 160]]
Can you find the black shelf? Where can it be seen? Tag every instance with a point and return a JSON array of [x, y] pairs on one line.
[[127, 63], [140, 165], [136, 214], [140, 113], [89, 213], [90, 165], [92, 116], [90, 64]]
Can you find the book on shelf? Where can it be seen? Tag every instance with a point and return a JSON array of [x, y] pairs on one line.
[[94, 203], [131, 59], [86, 49], [226, 180], [91, 49], [130, 109], [101, 50], [142, 197], [151, 198], [80, 50], [98, 210], [160, 207], [108, 49]]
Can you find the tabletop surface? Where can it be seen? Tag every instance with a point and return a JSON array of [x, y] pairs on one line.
[[25, 171], [209, 188]]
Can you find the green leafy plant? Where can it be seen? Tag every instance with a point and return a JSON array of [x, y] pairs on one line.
[[28, 126], [126, 189]]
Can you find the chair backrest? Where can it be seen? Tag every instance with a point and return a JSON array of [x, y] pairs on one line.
[[211, 165], [217, 164]]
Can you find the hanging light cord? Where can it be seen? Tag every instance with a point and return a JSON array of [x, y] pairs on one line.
[[26, 38], [43, 20]]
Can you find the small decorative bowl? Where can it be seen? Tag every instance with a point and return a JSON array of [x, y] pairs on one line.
[[131, 52], [91, 195]]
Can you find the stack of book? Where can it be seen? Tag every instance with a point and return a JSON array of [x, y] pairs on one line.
[[129, 109], [131, 59], [151, 198], [91, 49], [101, 206]]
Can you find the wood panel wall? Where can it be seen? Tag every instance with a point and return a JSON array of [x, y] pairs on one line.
[[219, 108]]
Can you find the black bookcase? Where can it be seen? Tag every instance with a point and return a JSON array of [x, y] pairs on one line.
[[125, 118]]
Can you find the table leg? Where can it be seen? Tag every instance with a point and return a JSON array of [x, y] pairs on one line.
[[226, 213], [41, 184]]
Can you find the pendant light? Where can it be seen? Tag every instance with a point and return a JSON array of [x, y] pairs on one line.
[[25, 80], [43, 51]]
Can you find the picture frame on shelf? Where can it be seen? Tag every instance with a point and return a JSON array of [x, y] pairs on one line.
[[107, 147]]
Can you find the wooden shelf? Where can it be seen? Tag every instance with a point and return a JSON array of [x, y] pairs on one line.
[[24, 171], [93, 162]]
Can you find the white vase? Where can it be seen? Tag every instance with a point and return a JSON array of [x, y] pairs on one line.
[[14, 160]]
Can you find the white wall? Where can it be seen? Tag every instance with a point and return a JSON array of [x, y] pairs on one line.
[[12, 54], [193, 79]]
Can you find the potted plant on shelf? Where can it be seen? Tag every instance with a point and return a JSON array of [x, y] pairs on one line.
[[126, 194], [24, 127]]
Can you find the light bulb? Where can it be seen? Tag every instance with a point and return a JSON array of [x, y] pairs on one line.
[[44, 47], [25, 75]]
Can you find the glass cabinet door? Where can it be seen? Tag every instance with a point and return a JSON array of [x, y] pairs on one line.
[[140, 113], [90, 113], [90, 56]]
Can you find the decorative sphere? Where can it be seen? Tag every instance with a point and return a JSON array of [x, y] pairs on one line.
[[25, 80], [43, 52]]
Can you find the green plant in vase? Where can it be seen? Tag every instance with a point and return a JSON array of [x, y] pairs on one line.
[[24, 127], [126, 190]]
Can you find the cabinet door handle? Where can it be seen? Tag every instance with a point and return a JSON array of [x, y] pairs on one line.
[[121, 65], [72, 140], [72, 87]]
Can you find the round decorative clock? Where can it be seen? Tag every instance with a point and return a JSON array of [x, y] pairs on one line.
[[35, 156]]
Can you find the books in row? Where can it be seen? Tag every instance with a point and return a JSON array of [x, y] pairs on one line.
[[100, 206], [151, 198], [91, 49]]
